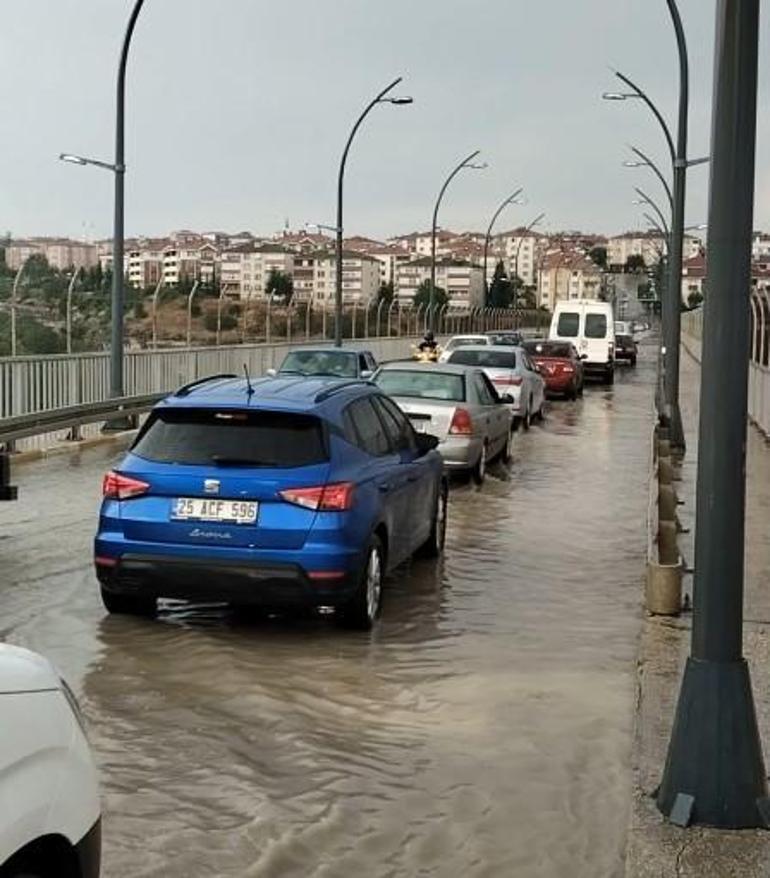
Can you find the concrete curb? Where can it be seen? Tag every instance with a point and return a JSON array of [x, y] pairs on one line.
[[120, 439]]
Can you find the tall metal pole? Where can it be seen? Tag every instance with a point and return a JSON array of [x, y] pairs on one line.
[[70, 289], [509, 200], [465, 163], [14, 304], [116, 347], [189, 312], [714, 772], [340, 184], [674, 300]]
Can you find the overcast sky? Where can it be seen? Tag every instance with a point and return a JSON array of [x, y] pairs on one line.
[[238, 111]]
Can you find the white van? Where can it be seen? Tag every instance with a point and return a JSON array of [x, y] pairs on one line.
[[589, 324]]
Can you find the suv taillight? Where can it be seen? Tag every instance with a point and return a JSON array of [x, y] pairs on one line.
[[461, 425], [337, 497], [119, 487]]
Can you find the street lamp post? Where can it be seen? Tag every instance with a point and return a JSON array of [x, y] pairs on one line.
[[14, 304], [379, 99], [190, 298], [119, 170], [70, 289], [678, 152], [527, 230], [714, 772], [511, 199], [645, 162], [467, 162]]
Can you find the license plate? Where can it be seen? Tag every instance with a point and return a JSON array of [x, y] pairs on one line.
[[208, 509], [420, 426]]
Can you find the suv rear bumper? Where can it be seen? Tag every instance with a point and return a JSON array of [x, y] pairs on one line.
[[257, 583]]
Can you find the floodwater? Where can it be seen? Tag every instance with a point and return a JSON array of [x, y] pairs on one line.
[[483, 729]]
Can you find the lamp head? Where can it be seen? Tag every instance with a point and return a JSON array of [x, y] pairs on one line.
[[613, 96], [72, 159], [400, 101]]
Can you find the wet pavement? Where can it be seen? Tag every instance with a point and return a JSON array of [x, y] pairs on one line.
[[483, 729]]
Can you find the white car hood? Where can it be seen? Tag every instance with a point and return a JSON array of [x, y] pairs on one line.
[[22, 670]]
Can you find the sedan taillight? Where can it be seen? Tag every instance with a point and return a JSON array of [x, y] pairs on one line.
[[337, 497], [461, 425], [116, 486], [515, 380]]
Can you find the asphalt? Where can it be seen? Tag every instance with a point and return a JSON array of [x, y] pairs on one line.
[[654, 846]]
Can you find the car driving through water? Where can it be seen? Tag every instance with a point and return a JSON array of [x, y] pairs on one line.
[[282, 493]]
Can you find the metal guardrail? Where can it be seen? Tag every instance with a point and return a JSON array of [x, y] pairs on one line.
[[72, 417]]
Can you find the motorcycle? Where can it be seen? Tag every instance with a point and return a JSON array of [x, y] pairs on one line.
[[428, 355]]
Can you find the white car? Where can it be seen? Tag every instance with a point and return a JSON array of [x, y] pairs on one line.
[[50, 817], [461, 341], [590, 326]]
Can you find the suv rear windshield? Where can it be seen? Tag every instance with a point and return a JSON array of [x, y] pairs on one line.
[[422, 384], [568, 325], [596, 325], [490, 359], [549, 349], [337, 364], [231, 437]]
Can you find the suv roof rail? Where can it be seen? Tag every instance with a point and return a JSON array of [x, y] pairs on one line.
[[324, 394], [186, 389]]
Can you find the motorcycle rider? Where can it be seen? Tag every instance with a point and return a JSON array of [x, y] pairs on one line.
[[428, 343]]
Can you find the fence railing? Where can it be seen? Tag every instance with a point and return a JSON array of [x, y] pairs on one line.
[[759, 364]]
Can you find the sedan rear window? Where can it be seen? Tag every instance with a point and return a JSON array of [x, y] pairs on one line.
[[490, 359], [459, 341], [231, 437], [549, 349], [337, 364], [568, 325], [423, 383], [596, 325]]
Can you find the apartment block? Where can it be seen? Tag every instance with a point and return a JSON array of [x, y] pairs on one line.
[[61, 253], [564, 275], [463, 282], [360, 277]]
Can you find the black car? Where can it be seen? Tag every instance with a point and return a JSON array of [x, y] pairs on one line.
[[625, 348]]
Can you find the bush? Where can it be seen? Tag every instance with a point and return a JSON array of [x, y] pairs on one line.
[[228, 322]]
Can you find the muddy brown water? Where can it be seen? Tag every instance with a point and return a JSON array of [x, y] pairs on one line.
[[483, 729]]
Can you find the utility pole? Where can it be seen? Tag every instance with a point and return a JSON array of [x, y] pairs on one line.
[[714, 771]]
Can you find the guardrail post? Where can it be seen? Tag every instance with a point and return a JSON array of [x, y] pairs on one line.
[[7, 490]]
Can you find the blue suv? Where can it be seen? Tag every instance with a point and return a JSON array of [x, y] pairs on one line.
[[275, 493]]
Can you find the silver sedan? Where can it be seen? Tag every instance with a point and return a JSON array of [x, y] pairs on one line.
[[512, 372], [457, 404]]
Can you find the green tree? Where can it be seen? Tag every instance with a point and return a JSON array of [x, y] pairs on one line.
[[599, 256], [422, 296], [501, 289], [279, 285], [635, 263], [694, 299], [385, 293]]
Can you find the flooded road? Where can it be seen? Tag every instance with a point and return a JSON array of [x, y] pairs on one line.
[[483, 729]]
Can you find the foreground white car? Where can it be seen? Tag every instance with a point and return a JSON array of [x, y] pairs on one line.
[[50, 819]]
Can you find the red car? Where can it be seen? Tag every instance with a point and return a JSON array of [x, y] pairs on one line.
[[559, 364]]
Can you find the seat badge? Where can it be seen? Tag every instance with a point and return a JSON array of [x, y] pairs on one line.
[[211, 486]]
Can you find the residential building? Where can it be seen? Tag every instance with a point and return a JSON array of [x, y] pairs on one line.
[[567, 274], [693, 276], [388, 255], [760, 247], [420, 242], [245, 269], [520, 249], [360, 277], [60, 253], [463, 282]]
